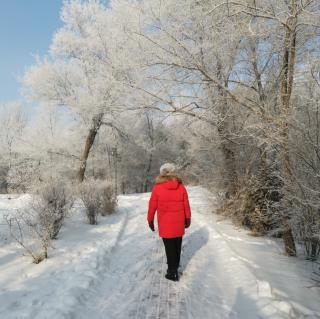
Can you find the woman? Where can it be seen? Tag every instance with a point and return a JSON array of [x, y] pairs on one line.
[[170, 199]]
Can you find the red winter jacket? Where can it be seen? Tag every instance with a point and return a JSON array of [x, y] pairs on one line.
[[170, 199]]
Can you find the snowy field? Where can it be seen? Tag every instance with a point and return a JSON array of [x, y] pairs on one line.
[[115, 270]]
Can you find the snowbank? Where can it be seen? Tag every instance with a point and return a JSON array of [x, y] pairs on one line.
[[55, 286]]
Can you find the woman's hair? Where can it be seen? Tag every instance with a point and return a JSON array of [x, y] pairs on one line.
[[167, 178]]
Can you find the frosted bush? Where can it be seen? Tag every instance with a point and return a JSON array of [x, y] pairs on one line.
[[98, 198], [108, 199], [34, 227], [51, 207]]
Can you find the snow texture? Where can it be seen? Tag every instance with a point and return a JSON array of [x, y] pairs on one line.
[[116, 270]]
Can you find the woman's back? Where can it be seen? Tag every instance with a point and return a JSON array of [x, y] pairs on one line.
[[170, 199]]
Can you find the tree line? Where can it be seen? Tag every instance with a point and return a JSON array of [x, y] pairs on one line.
[[229, 90]]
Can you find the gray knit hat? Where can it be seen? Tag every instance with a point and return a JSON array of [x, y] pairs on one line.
[[167, 169]]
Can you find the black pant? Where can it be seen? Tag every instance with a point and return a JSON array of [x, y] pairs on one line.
[[173, 252]]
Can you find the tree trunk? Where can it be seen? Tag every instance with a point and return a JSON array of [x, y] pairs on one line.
[[288, 65], [289, 243], [123, 187], [151, 137], [231, 182], [96, 124], [145, 188]]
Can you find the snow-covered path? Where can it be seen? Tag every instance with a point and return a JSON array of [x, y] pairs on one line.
[[131, 283], [216, 280], [116, 271]]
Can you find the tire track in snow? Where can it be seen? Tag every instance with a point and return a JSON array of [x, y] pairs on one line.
[[166, 299], [150, 271], [104, 261], [159, 298]]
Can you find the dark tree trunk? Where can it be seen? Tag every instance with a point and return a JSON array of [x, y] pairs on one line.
[[123, 187], [289, 243], [231, 182], [231, 176], [96, 124], [147, 174], [149, 165], [288, 64]]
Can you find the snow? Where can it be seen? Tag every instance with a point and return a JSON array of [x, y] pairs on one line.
[[116, 270]]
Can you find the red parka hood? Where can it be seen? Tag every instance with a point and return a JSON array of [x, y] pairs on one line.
[[169, 181]]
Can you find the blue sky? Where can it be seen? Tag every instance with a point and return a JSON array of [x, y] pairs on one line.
[[26, 29]]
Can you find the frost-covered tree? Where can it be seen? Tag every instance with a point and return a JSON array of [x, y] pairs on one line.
[[78, 73]]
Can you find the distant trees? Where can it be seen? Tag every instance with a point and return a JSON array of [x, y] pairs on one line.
[[13, 121]]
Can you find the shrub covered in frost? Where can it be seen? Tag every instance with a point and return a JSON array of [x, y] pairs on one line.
[[34, 227], [98, 198], [52, 205]]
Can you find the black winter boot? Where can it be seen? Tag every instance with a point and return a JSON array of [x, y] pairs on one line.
[[172, 275]]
